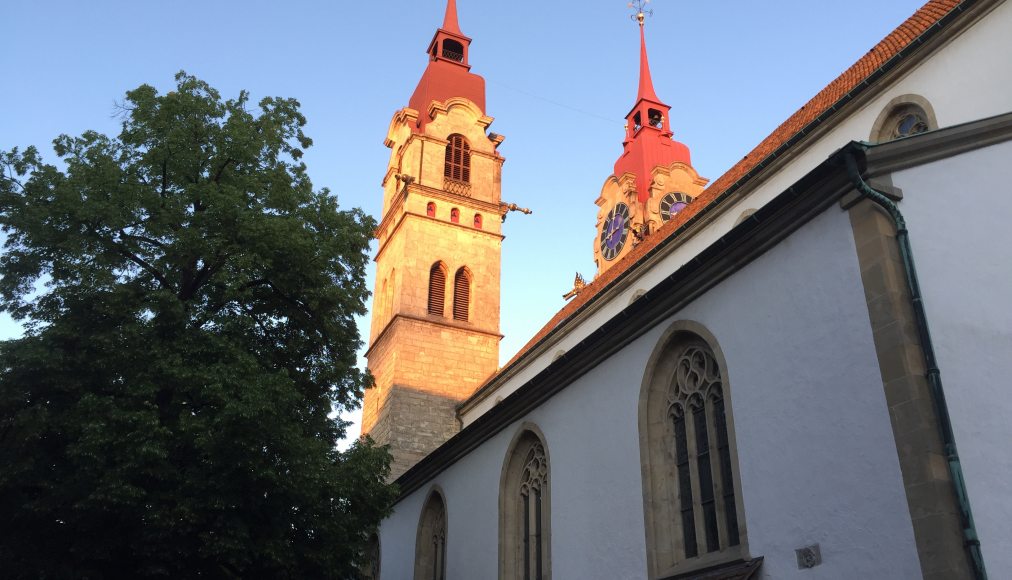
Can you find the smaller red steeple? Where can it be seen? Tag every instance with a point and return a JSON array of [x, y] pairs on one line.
[[448, 73], [646, 91], [648, 141], [450, 20]]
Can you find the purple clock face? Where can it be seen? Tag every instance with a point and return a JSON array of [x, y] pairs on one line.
[[673, 203], [614, 231]]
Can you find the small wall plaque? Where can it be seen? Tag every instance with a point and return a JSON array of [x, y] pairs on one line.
[[809, 556]]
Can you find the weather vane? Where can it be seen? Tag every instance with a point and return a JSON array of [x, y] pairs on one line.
[[640, 6]]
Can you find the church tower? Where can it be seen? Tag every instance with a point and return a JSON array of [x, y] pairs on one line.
[[653, 178], [435, 319]]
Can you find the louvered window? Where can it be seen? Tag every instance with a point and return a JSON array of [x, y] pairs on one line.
[[437, 288], [461, 294], [458, 159]]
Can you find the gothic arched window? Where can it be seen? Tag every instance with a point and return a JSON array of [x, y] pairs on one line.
[[430, 543], [692, 503], [461, 294], [437, 288], [525, 510], [904, 116], [458, 159]]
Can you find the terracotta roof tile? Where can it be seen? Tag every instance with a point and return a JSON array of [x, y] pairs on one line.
[[927, 16]]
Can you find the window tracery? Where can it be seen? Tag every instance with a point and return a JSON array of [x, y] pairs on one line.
[[430, 544], [692, 501], [525, 511], [532, 483], [909, 122], [904, 116], [696, 398]]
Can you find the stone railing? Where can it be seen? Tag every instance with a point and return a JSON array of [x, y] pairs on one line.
[[456, 186]]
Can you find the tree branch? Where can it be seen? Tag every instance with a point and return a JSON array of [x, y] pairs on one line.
[[143, 264], [298, 303], [195, 282], [212, 312], [145, 239], [217, 176]]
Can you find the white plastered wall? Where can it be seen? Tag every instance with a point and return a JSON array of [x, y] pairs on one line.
[[815, 446], [958, 212], [970, 78]]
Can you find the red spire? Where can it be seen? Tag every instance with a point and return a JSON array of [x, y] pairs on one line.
[[646, 83], [648, 141], [448, 73], [450, 20]]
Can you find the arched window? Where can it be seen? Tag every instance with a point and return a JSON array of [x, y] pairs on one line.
[[692, 501], [455, 215], [655, 117], [453, 50], [461, 294], [477, 221], [904, 116], [524, 510], [430, 209], [430, 543], [458, 159], [437, 288]]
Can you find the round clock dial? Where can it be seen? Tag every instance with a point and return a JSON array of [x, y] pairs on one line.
[[673, 203], [615, 231]]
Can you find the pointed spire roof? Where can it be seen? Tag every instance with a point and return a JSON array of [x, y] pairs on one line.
[[448, 73], [450, 20], [646, 91], [648, 141]]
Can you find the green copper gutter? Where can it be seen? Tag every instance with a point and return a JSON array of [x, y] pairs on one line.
[[934, 376]]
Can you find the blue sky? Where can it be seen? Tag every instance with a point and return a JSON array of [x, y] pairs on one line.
[[560, 77]]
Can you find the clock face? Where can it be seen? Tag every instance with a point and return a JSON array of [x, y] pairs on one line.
[[614, 231], [673, 203]]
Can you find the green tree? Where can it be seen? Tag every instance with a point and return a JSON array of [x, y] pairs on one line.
[[189, 302]]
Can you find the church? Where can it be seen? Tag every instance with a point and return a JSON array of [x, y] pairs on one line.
[[799, 369]]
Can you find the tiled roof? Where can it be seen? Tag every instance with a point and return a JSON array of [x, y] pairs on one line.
[[813, 112]]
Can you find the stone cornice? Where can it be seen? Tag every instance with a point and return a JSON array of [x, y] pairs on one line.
[[938, 144], [405, 215], [431, 319]]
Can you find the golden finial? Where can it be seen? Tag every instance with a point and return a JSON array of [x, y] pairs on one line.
[[640, 6]]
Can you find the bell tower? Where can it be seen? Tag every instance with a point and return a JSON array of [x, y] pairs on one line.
[[653, 177], [435, 319]]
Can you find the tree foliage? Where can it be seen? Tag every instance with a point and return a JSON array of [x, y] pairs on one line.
[[189, 302]]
